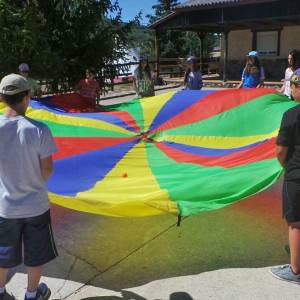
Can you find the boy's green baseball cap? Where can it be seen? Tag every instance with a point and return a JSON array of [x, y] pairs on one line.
[[13, 84]]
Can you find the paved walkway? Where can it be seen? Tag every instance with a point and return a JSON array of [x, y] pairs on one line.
[[117, 97], [225, 254]]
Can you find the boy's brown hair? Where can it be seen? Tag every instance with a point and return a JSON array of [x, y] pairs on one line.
[[13, 89], [12, 100]]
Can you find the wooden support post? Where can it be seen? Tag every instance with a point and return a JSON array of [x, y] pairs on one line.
[[201, 36], [225, 57], [157, 52], [179, 218]]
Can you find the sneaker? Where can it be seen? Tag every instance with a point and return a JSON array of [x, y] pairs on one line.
[[285, 273], [43, 293]]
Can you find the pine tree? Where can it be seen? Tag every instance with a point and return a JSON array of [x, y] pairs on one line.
[[162, 8], [178, 44], [60, 38], [171, 42]]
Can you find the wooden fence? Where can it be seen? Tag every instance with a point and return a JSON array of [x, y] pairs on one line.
[[120, 74]]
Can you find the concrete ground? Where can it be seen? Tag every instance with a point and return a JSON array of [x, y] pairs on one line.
[[114, 98], [225, 254]]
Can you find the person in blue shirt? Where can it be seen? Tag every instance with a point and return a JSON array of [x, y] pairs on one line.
[[253, 74], [193, 76]]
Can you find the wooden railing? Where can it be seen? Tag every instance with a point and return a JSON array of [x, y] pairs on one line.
[[174, 67], [119, 74], [168, 68]]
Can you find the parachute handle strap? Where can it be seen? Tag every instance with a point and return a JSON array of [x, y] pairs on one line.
[[178, 220]]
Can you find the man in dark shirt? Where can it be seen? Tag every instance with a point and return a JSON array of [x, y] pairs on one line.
[[288, 154]]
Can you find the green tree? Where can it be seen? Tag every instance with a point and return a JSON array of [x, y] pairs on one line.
[[192, 44], [162, 8], [143, 38], [170, 41], [60, 38], [179, 44]]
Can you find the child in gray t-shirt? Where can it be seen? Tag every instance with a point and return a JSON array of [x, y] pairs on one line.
[[26, 150]]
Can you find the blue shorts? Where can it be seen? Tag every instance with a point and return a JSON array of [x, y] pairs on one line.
[[34, 233]]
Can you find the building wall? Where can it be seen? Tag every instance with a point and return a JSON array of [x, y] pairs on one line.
[[240, 43], [290, 39]]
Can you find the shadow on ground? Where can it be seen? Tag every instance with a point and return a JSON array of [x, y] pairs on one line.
[[133, 296], [119, 253]]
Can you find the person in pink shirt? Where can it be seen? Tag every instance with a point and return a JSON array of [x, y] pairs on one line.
[[88, 87]]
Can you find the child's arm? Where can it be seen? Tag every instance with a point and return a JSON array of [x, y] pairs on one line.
[[281, 90], [240, 84], [46, 167], [261, 84], [200, 80], [281, 153], [135, 85], [37, 89], [185, 80], [242, 80], [284, 139], [261, 78]]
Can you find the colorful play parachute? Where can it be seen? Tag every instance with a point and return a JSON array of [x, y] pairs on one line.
[[181, 153]]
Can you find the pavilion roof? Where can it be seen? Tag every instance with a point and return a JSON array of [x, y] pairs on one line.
[[210, 14], [213, 3]]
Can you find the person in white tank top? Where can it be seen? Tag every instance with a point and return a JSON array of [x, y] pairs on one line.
[[293, 64]]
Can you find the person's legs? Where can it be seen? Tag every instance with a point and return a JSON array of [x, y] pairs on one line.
[[291, 212], [10, 248], [294, 241], [34, 275], [39, 248], [3, 278]]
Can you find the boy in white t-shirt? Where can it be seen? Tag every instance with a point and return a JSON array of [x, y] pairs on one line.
[[26, 150]]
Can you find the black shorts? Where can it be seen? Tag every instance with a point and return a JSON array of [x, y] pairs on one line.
[[34, 233], [291, 200]]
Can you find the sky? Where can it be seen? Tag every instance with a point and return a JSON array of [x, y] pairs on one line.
[[130, 8]]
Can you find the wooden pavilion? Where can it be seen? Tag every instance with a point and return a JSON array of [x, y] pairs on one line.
[[272, 27]]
